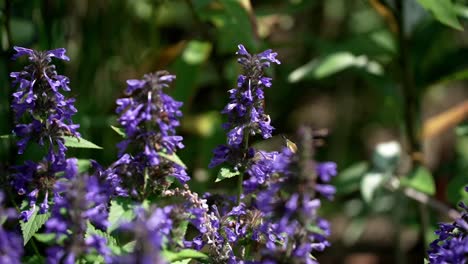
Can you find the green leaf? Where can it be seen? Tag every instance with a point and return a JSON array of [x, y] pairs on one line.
[[34, 260], [333, 63], [226, 173], [370, 183], [121, 210], [46, 238], [442, 10], [110, 240], [119, 131], [174, 158], [83, 165], [6, 136], [183, 254], [196, 52], [185, 261], [30, 228], [420, 179], [349, 179], [74, 142], [178, 234]]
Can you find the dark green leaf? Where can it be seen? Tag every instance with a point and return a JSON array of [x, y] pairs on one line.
[[226, 173], [74, 142], [349, 179]]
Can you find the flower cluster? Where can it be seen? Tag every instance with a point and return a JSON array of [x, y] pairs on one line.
[[40, 103], [42, 115], [149, 117], [272, 220], [11, 244], [245, 110], [451, 246], [79, 198], [289, 202]]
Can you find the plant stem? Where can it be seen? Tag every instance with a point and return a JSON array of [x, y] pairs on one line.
[[411, 106], [241, 175]]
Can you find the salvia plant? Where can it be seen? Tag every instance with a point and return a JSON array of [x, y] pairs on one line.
[[140, 208]]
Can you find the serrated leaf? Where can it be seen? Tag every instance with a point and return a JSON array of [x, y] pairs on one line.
[[110, 240], [370, 183], [73, 142], [226, 173], [420, 179], [119, 131], [174, 158], [442, 10], [121, 210], [35, 222], [183, 254]]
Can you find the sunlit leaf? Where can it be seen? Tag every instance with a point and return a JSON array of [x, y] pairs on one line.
[[226, 173], [196, 52], [420, 179], [73, 142], [35, 222], [183, 254], [442, 10], [174, 158], [121, 210], [333, 63], [119, 131]]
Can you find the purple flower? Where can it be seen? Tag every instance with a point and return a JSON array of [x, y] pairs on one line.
[[150, 118], [26, 181], [451, 246], [288, 200]]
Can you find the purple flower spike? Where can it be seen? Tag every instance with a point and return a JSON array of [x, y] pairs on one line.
[[245, 110], [149, 117]]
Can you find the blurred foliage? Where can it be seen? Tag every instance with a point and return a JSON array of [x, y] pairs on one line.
[[341, 69]]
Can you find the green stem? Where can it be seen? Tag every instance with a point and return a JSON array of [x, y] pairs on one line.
[[241, 175], [411, 105]]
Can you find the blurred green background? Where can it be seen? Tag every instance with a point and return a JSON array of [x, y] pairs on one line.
[[366, 70]]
